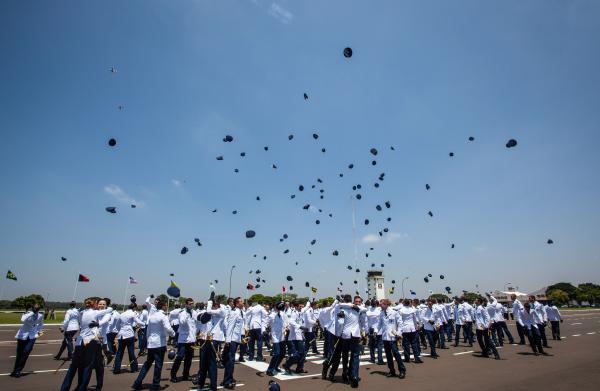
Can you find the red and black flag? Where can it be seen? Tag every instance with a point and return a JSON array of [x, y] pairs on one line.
[[83, 278]]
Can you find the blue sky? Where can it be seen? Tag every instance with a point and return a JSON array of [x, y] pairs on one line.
[[423, 78]]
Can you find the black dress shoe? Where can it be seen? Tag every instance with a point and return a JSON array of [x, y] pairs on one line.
[[331, 378], [324, 372], [380, 363], [391, 374], [173, 380], [301, 371], [229, 386], [418, 361], [354, 383], [402, 374]]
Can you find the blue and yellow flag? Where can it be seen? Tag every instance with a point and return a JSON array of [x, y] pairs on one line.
[[11, 276]]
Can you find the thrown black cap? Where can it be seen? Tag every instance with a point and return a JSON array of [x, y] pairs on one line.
[[63, 259], [441, 276], [266, 148], [312, 242], [366, 221], [550, 241], [112, 142], [511, 143], [347, 52], [305, 96], [335, 253], [307, 284], [426, 279], [427, 187], [378, 207], [451, 154], [250, 234], [111, 209], [289, 278], [219, 157], [452, 245], [301, 188], [351, 166], [315, 136], [471, 138], [388, 204], [242, 154], [228, 139], [430, 214], [290, 137], [184, 250], [373, 151]]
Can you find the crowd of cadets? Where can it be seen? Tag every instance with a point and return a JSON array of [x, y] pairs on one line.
[[289, 330]]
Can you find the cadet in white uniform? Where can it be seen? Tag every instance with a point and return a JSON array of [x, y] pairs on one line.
[[516, 310], [555, 319], [70, 327], [483, 324], [214, 319], [297, 349], [158, 328], [185, 342], [33, 322], [142, 330], [174, 320], [114, 325], [499, 322], [431, 319], [234, 328], [528, 319], [542, 318], [389, 326], [375, 341], [409, 327], [256, 317], [128, 320], [354, 324], [278, 324]]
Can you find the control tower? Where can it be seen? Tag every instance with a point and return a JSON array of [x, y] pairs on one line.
[[375, 286]]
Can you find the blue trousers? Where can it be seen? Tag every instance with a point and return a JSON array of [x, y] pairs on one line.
[[208, 364], [344, 348], [328, 345], [229, 362], [410, 340], [297, 353], [392, 353], [276, 357], [128, 343], [155, 356], [432, 337], [142, 339], [376, 344], [255, 341], [85, 360], [485, 342], [449, 330], [535, 340], [67, 343], [111, 343], [24, 348], [468, 333], [185, 353]]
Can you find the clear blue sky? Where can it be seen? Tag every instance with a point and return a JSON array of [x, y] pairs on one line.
[[424, 77]]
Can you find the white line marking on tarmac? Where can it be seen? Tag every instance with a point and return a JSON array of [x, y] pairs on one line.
[[219, 387], [573, 324], [576, 335], [592, 333], [35, 355], [467, 352], [42, 371]]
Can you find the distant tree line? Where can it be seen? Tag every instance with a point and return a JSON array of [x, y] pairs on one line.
[[566, 293]]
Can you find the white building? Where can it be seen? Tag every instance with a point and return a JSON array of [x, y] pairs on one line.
[[375, 284]]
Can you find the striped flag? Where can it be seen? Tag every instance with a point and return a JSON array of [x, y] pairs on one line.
[[11, 276], [313, 289], [83, 278], [132, 280], [283, 289]]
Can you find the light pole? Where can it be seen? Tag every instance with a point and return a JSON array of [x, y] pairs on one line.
[[404, 279], [506, 284], [230, 274]]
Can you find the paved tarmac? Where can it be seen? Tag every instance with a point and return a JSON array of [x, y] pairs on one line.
[[574, 364]]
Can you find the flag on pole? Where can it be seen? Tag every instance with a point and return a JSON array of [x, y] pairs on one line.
[[250, 287], [132, 280], [11, 276], [283, 289], [313, 289], [83, 278], [413, 292]]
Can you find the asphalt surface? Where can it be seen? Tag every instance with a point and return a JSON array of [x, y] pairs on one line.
[[574, 363]]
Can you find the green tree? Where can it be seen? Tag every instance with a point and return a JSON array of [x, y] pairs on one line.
[[260, 298], [27, 301], [559, 297], [567, 287], [471, 296], [440, 297], [221, 298], [326, 299], [590, 291]]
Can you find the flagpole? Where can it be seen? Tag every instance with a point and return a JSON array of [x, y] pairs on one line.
[[75, 290], [125, 297]]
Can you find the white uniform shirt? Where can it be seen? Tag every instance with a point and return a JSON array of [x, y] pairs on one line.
[[187, 326], [516, 309], [354, 322], [389, 324], [459, 314], [127, 320], [469, 312], [553, 314], [255, 317], [482, 318], [71, 322], [87, 333], [235, 326], [104, 322], [309, 318], [217, 322], [410, 323], [144, 317], [174, 317], [526, 319], [158, 328], [431, 318], [540, 316], [114, 325], [373, 320], [32, 325], [278, 323]]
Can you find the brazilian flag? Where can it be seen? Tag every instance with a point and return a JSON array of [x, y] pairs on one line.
[[313, 289], [11, 276]]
